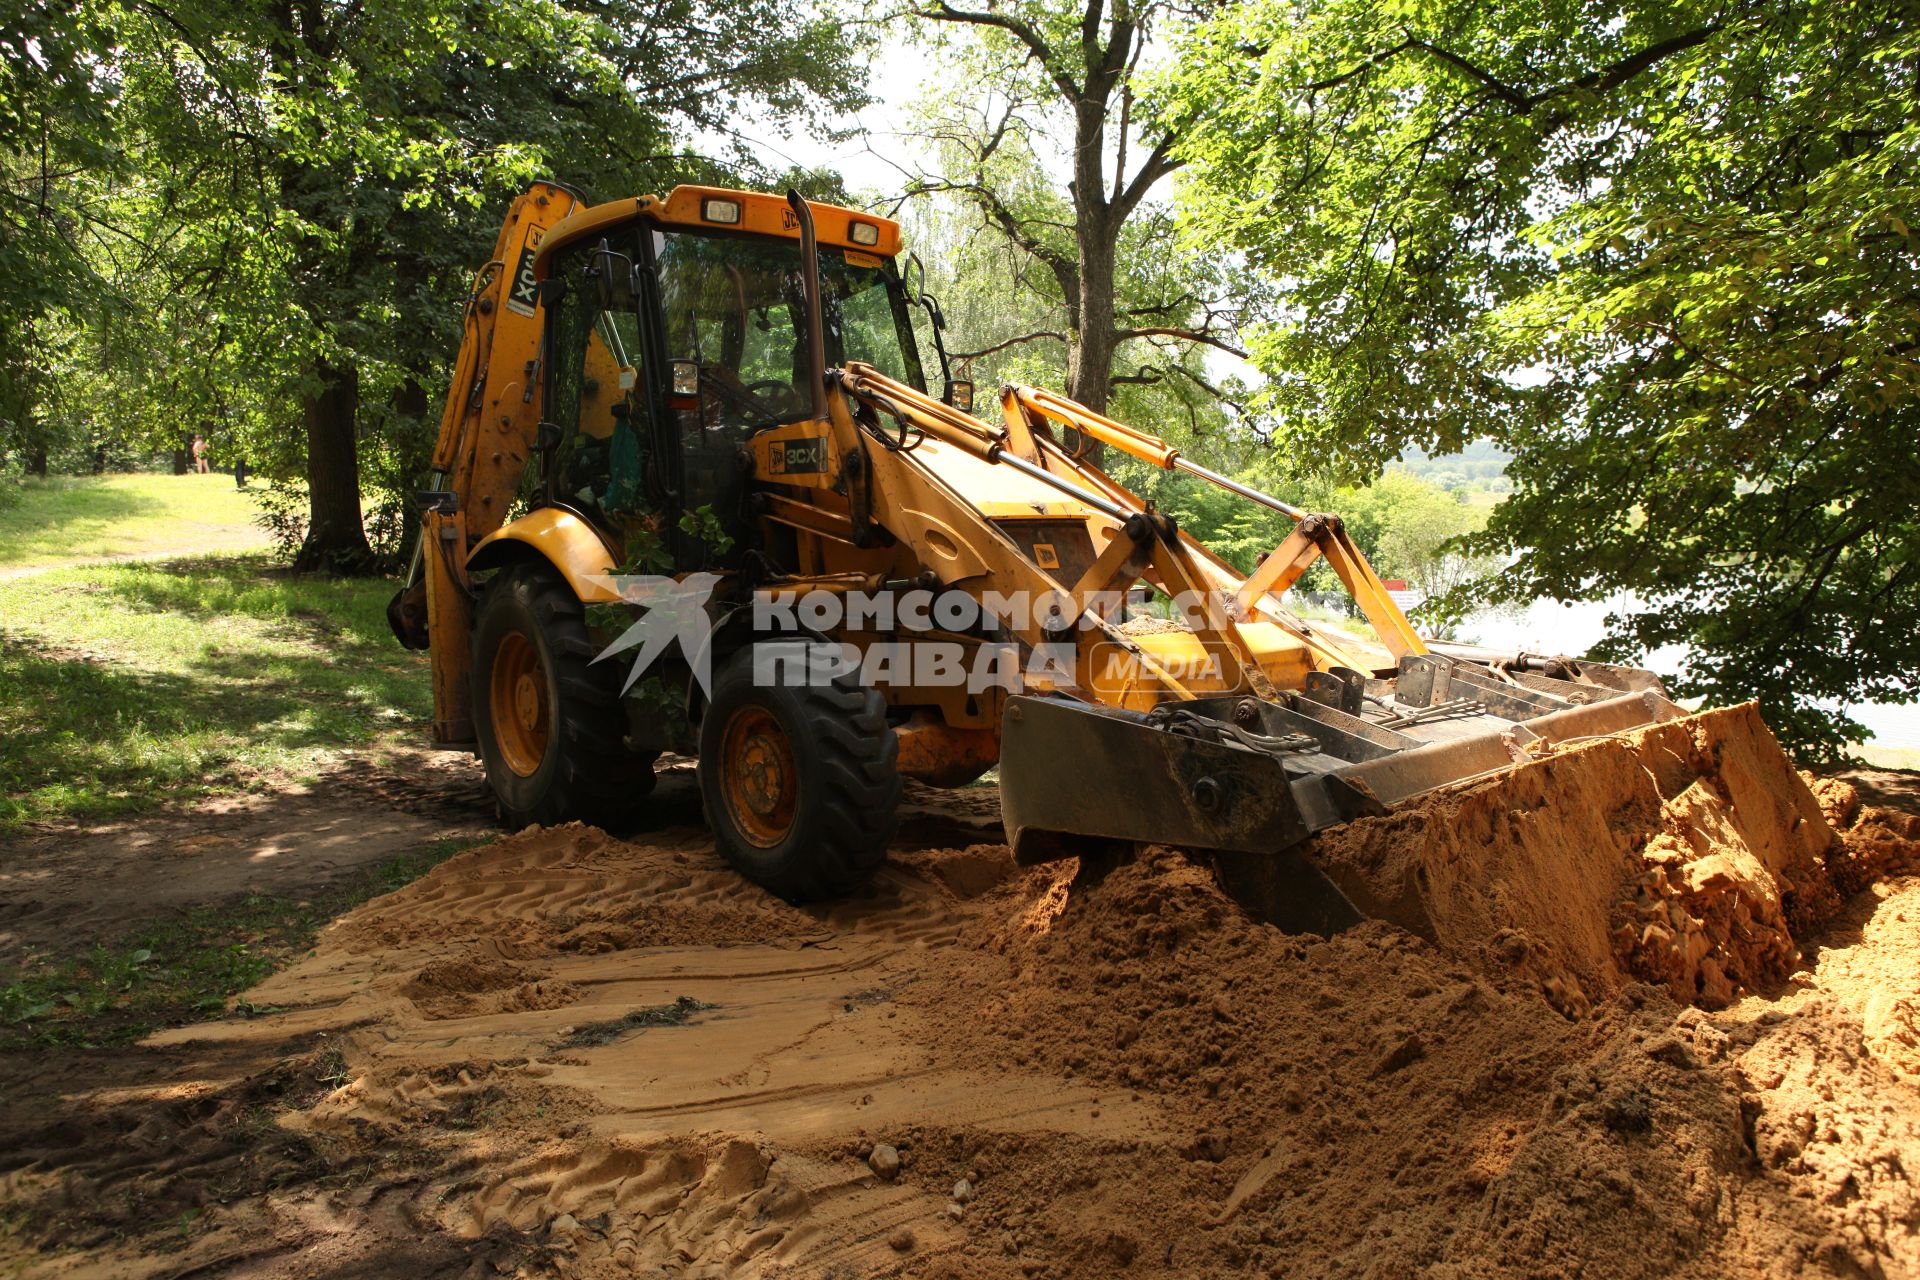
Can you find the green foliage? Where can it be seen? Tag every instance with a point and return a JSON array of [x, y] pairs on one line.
[[51, 126], [222, 215], [706, 529], [1662, 254]]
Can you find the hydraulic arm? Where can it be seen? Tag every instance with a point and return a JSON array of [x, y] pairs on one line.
[[487, 429]]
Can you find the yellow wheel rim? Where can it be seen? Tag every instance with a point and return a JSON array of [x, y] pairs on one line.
[[518, 700], [758, 776]]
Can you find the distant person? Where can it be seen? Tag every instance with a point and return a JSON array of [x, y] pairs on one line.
[[200, 466], [240, 474]]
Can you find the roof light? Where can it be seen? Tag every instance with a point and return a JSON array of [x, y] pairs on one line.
[[726, 212], [864, 233]]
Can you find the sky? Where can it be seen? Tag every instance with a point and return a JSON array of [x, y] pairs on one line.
[[872, 162]]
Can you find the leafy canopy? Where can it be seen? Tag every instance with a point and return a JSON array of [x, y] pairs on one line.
[[1661, 252], [262, 200]]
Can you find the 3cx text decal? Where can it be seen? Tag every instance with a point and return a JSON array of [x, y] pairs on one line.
[[524, 290]]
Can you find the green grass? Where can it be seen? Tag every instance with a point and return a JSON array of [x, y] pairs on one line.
[[65, 518], [126, 685], [184, 969]]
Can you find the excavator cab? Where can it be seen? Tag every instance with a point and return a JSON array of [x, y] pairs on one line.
[[669, 348], [628, 366]]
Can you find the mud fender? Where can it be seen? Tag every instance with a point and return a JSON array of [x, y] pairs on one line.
[[564, 540]]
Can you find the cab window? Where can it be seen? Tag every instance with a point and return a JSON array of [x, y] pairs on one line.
[[734, 307], [595, 396]]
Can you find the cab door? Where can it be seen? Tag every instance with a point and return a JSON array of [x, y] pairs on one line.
[[602, 466]]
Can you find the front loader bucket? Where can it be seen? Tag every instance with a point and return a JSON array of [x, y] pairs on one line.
[[1075, 775], [1251, 780]]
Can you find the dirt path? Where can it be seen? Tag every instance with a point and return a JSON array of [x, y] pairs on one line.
[[62, 888], [569, 1054]]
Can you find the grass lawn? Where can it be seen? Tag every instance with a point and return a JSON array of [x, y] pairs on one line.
[[126, 685], [66, 518]]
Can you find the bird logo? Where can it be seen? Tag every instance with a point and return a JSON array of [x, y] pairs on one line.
[[671, 609]]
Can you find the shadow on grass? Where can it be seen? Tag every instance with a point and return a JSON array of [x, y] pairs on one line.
[[81, 738]]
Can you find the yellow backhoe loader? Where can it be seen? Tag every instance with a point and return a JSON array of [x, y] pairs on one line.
[[724, 392]]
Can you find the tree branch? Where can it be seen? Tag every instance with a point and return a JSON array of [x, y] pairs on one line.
[[1036, 336], [1021, 31], [1158, 164], [1184, 335], [1599, 80]]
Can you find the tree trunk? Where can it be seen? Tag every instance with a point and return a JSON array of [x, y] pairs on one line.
[[336, 539], [1091, 340], [414, 407], [37, 462], [1090, 355]]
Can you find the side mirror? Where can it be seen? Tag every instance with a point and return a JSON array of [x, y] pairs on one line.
[[683, 390], [612, 275], [960, 394], [917, 290]]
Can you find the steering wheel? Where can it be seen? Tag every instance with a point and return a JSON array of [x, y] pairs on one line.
[[741, 398], [776, 390]]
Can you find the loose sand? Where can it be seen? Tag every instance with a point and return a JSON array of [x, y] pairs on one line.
[[1644, 1007]]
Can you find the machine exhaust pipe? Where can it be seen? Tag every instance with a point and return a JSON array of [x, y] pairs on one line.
[[816, 324]]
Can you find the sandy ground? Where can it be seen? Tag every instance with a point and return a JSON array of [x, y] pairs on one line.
[[571, 1054]]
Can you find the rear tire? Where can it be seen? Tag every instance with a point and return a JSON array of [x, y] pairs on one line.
[[551, 728], [799, 780]]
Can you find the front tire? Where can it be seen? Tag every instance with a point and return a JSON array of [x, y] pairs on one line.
[[551, 728], [799, 778]]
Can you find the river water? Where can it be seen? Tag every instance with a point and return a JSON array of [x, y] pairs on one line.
[[1549, 627]]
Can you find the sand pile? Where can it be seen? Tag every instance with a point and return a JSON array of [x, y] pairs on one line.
[[1685, 854], [1369, 1105], [574, 889]]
